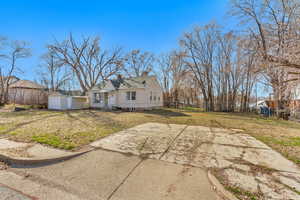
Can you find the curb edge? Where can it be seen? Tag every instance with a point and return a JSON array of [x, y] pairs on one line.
[[219, 188]]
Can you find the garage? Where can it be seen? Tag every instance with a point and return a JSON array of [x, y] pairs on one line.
[[59, 101]]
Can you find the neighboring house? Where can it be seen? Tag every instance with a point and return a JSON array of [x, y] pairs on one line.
[[138, 93], [27, 93], [4, 81]]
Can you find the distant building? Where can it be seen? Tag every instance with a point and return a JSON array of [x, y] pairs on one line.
[[27, 93]]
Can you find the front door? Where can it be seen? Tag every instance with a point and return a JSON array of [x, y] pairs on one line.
[[106, 99]]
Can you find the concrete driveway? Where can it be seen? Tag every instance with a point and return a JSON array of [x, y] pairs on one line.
[[109, 175], [164, 162], [242, 163]]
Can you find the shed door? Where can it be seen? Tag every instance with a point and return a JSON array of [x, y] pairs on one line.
[[54, 103]]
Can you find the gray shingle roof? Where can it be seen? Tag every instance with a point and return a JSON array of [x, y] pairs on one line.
[[136, 82], [127, 83]]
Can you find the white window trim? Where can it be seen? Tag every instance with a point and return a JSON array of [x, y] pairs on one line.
[[130, 95]]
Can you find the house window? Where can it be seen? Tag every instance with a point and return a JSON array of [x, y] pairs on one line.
[[97, 98], [128, 96], [131, 96], [154, 98], [150, 96], [158, 98]]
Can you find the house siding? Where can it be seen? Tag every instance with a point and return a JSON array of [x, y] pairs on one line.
[[57, 102], [140, 101], [154, 88]]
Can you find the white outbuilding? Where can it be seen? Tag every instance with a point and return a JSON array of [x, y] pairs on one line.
[[57, 101]]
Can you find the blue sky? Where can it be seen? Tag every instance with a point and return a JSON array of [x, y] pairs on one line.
[[148, 25]]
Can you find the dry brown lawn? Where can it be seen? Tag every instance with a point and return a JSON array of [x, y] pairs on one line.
[[74, 129]]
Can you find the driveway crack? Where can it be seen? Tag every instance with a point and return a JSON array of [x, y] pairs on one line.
[[172, 142], [124, 180]]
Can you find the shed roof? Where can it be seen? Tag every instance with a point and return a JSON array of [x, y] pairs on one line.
[[55, 94], [26, 84]]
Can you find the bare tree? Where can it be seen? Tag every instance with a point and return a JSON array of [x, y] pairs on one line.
[[164, 75], [14, 51], [2, 56], [273, 25], [250, 71], [219, 66], [179, 71], [189, 92], [53, 74], [172, 72], [199, 47], [227, 73], [137, 62], [88, 61]]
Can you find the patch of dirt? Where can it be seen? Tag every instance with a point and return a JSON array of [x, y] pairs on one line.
[[237, 191], [18, 152]]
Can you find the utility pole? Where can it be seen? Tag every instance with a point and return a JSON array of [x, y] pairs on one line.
[[256, 94]]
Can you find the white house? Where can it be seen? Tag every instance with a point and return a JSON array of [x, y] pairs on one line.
[[138, 93]]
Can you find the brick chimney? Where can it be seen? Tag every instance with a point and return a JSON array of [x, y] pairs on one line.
[[145, 73]]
